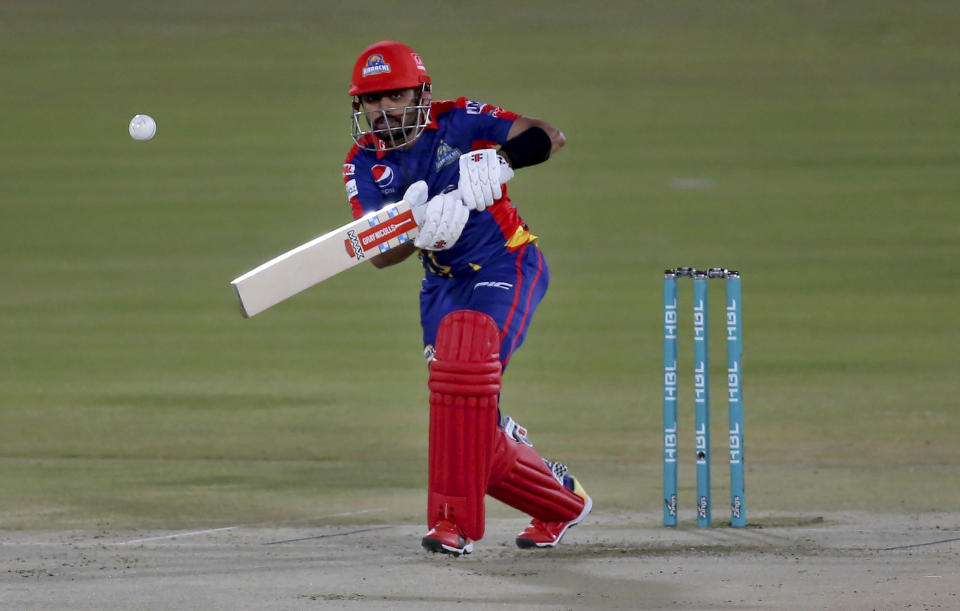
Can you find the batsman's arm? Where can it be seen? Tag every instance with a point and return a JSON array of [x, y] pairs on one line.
[[393, 256], [531, 141]]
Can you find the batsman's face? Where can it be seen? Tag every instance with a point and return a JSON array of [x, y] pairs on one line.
[[385, 109]]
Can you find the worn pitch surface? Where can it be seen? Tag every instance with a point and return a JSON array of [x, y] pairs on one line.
[[612, 561]]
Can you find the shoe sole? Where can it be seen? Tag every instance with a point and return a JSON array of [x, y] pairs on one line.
[[438, 547], [530, 543]]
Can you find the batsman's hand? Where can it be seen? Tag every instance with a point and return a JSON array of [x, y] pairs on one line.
[[481, 174], [416, 195], [441, 221]]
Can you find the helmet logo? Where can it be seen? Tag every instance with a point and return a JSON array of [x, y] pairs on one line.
[[418, 62], [375, 65]]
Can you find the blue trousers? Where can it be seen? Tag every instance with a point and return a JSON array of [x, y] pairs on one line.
[[509, 291]]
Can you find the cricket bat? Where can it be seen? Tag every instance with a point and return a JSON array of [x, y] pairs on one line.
[[297, 270]]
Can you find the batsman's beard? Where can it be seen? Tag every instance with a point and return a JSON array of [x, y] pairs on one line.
[[392, 130]]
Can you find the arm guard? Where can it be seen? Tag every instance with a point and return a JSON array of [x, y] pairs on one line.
[[531, 147]]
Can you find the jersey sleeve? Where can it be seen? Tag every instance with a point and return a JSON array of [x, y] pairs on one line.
[[362, 192], [488, 124]]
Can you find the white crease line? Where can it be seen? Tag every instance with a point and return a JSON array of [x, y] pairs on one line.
[[213, 530], [187, 534], [351, 513]]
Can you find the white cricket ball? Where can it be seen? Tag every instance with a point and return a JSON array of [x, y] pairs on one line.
[[142, 127]]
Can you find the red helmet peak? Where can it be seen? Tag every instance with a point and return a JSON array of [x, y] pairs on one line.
[[387, 65]]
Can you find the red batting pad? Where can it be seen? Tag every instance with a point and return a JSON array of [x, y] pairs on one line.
[[464, 387], [520, 479]]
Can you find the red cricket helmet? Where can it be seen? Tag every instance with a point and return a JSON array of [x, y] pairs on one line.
[[387, 65]]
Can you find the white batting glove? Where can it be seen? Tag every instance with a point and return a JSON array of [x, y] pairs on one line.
[[441, 221], [481, 174], [416, 195]]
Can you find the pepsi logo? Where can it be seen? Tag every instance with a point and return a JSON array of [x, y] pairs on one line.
[[383, 175]]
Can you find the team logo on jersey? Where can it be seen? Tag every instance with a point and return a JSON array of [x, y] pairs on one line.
[[446, 155], [375, 65], [349, 169], [382, 175], [474, 108]]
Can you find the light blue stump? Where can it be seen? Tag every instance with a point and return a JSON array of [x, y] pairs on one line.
[[701, 385], [738, 506], [670, 351]]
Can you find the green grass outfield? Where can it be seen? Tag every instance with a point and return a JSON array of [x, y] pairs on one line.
[[812, 145]]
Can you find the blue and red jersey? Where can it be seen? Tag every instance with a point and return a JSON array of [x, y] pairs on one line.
[[374, 179]]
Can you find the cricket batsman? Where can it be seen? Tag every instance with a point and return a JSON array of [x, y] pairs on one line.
[[484, 277]]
